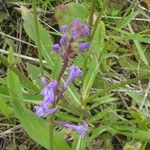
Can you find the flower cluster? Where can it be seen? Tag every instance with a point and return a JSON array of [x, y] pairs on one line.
[[71, 36], [52, 91], [48, 92]]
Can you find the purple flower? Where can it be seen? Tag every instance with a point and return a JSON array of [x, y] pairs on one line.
[[63, 28], [43, 112], [56, 48], [79, 30], [48, 92], [74, 73], [83, 46], [82, 129], [63, 40]]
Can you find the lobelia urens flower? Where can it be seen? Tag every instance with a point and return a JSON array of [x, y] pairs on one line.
[[56, 48], [71, 36], [63, 28], [81, 129], [48, 93], [74, 73], [84, 46], [79, 30]]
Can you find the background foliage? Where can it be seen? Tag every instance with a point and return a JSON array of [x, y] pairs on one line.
[[113, 95]]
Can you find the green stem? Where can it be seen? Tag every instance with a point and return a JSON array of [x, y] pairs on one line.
[[126, 13], [79, 143], [130, 8], [38, 41], [92, 8], [98, 18], [115, 86], [51, 135], [91, 13], [86, 56], [85, 62]]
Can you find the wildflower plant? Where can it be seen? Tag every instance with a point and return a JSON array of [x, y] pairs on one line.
[[68, 47], [56, 110]]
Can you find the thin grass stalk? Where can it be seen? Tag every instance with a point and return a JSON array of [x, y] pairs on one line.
[[38, 38], [86, 56], [127, 12], [98, 18], [51, 132], [92, 8]]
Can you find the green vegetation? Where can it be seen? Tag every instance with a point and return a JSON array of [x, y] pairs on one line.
[[113, 94]]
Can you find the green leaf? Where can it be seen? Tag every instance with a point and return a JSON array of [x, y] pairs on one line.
[[4, 108], [132, 36], [125, 21], [99, 115], [66, 13], [24, 80], [66, 117], [139, 48], [102, 100], [73, 95], [98, 131], [45, 38], [98, 40], [115, 86], [137, 97], [132, 132], [33, 72], [57, 67], [89, 79], [3, 81]]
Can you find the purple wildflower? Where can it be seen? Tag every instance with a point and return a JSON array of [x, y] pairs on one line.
[[63, 28], [74, 73], [48, 92], [63, 40], [56, 48], [79, 30], [82, 129], [83, 46], [43, 111]]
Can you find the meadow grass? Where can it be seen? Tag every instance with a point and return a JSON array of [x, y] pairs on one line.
[[112, 96]]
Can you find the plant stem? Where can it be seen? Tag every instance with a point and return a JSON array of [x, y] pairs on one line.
[[38, 41], [51, 136], [126, 13], [98, 18], [63, 69], [91, 13], [86, 56], [79, 143], [92, 8]]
